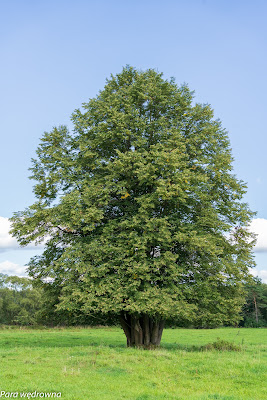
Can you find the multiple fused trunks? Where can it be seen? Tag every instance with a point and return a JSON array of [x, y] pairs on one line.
[[141, 331]]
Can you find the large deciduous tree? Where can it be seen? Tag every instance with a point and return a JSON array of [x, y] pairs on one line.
[[141, 212]]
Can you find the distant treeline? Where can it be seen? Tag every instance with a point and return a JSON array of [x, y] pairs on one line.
[[21, 303], [254, 313]]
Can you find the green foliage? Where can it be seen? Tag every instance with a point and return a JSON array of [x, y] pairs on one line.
[[139, 207], [255, 308], [50, 315], [19, 302], [22, 303]]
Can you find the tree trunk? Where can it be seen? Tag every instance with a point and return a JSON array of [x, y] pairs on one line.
[[141, 331], [256, 309]]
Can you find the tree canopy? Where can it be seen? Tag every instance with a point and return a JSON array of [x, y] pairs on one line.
[[141, 213]]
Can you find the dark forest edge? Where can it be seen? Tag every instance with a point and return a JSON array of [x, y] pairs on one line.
[[23, 304]]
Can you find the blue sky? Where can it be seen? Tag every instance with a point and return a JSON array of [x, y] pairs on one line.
[[55, 55]]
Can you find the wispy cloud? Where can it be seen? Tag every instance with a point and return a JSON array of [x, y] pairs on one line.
[[262, 274], [259, 226], [10, 268], [6, 240]]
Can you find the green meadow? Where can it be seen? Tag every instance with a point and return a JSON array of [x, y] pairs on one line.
[[94, 363]]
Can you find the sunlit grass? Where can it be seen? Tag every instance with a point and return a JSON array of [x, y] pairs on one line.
[[94, 363]]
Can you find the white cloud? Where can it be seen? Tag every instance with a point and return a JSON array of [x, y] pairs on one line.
[[259, 226], [262, 274], [7, 242], [10, 268]]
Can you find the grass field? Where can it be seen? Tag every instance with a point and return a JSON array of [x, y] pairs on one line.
[[94, 363]]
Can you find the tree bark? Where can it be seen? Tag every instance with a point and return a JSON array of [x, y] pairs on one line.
[[126, 328], [142, 330], [146, 330], [256, 309], [161, 327], [155, 333]]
